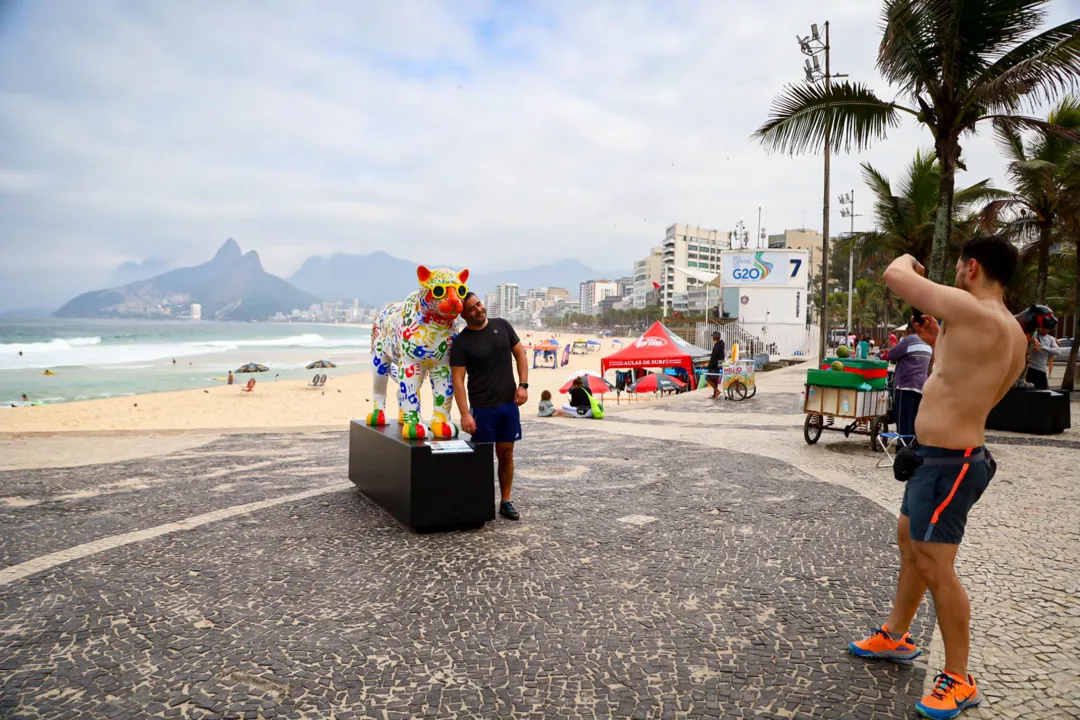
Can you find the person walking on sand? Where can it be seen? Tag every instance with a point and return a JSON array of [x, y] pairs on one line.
[[979, 351], [484, 351]]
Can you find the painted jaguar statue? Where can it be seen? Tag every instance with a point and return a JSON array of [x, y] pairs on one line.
[[411, 339]]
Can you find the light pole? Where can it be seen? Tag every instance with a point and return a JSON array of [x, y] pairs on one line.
[[848, 200], [812, 46]]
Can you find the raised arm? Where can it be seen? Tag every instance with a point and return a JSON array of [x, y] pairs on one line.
[[906, 278]]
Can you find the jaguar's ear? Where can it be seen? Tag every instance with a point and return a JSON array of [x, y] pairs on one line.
[[423, 274], [463, 276]]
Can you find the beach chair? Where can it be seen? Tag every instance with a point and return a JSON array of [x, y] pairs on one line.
[[314, 381], [250, 386], [322, 381], [891, 443]]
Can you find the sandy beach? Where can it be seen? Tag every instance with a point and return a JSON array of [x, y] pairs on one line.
[[284, 404]]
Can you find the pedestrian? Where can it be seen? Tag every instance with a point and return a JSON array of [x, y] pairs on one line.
[[912, 357], [25, 399], [716, 359], [230, 382], [1044, 347], [484, 352], [980, 352]]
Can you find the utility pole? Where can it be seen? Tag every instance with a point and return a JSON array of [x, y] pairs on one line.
[[813, 46], [849, 211]]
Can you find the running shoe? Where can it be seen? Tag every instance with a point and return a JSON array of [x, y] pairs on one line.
[[881, 646], [950, 696]]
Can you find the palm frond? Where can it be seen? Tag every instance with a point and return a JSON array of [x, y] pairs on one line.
[[1009, 141], [909, 55], [1030, 123], [1041, 68], [980, 192], [801, 114]]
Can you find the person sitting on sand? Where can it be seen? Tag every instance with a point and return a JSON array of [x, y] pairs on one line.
[[547, 408], [579, 406]]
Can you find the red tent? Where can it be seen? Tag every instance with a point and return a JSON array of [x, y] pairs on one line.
[[657, 347]]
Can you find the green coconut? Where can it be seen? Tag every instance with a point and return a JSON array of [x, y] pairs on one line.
[[842, 351], [838, 366]]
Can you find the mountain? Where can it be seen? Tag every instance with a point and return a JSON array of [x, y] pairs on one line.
[[376, 279], [232, 286], [131, 272]]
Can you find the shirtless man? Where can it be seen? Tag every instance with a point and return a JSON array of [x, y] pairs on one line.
[[979, 352]]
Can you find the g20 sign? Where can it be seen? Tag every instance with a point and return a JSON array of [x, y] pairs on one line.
[[764, 267]]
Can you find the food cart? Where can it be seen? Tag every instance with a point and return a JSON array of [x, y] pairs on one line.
[[847, 396], [739, 380]]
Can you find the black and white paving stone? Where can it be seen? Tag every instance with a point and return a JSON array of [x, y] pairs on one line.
[[646, 579]]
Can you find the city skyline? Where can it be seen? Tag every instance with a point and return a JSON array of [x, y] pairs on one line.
[[507, 133]]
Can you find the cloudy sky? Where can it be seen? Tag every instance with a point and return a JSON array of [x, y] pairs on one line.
[[503, 133]]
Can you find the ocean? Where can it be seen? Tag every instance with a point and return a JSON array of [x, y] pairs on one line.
[[108, 358]]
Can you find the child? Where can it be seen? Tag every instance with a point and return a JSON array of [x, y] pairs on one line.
[[547, 408]]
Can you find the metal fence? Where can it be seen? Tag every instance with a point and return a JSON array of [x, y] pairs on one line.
[[776, 341]]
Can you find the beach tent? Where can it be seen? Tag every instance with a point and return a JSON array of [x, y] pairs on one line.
[[549, 350], [657, 347]]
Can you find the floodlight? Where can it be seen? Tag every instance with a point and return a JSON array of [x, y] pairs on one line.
[[817, 65], [810, 76], [814, 31], [808, 68]]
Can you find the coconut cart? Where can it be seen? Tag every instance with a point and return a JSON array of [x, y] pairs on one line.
[[847, 396]]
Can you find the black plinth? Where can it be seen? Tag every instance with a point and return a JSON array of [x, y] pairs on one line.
[[424, 490], [1035, 412]]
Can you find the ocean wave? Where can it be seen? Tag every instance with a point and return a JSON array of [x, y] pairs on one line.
[[54, 345]]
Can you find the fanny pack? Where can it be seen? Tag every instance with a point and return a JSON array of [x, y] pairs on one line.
[[907, 461]]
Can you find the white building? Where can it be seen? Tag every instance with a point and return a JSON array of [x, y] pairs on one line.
[[689, 247], [801, 240], [647, 271], [196, 311], [491, 302], [507, 299], [593, 291]]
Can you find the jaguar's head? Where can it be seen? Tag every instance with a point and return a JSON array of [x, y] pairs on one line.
[[442, 291]]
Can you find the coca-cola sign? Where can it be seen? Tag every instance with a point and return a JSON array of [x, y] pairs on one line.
[[650, 342]]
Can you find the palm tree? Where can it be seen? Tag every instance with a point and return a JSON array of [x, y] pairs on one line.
[[1038, 171], [955, 64], [906, 218], [1071, 228]]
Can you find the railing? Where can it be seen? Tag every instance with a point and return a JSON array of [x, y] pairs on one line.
[[777, 341]]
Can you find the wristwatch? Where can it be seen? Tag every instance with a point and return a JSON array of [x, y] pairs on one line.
[[523, 386]]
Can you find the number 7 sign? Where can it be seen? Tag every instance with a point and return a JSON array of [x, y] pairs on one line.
[[796, 263]]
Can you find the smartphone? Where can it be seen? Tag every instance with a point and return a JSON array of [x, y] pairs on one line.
[[916, 317]]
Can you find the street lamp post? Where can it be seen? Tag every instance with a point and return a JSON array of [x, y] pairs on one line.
[[813, 46], [848, 200]]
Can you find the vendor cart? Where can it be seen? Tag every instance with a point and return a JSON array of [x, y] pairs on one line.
[[739, 380], [852, 401]]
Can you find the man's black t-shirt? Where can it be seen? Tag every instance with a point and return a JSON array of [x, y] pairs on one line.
[[717, 357], [489, 364]]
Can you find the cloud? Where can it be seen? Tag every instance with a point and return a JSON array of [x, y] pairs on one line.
[[503, 133]]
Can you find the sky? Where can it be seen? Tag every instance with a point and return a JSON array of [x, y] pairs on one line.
[[504, 133]]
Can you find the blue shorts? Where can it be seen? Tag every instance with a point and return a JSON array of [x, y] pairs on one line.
[[941, 492], [499, 424]]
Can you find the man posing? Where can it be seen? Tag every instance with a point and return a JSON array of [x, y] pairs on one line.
[[979, 353], [483, 351]]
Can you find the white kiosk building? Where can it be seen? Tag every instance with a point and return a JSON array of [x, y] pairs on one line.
[[765, 293]]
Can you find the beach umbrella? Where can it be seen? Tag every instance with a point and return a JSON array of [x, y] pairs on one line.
[[656, 383], [321, 364], [252, 368], [594, 382]]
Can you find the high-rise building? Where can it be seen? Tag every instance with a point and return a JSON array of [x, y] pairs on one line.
[[556, 294], [593, 291], [507, 294], [491, 302], [196, 311], [692, 247], [647, 271], [801, 239]]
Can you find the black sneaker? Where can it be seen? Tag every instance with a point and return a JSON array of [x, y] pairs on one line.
[[507, 510]]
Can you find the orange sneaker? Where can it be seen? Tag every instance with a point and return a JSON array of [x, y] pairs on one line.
[[951, 695], [881, 646]]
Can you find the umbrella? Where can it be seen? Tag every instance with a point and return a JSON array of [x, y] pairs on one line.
[[252, 367], [657, 383], [321, 364], [593, 381]]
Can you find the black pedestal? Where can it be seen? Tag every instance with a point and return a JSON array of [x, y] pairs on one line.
[[1035, 412], [426, 491]]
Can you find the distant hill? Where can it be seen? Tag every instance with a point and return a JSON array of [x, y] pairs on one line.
[[131, 272], [232, 286], [378, 278], [25, 313]]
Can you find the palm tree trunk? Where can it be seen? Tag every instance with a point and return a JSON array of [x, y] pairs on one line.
[[946, 151], [1044, 261], [1068, 381]]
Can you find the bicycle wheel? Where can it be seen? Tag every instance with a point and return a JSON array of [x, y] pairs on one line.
[[812, 428]]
